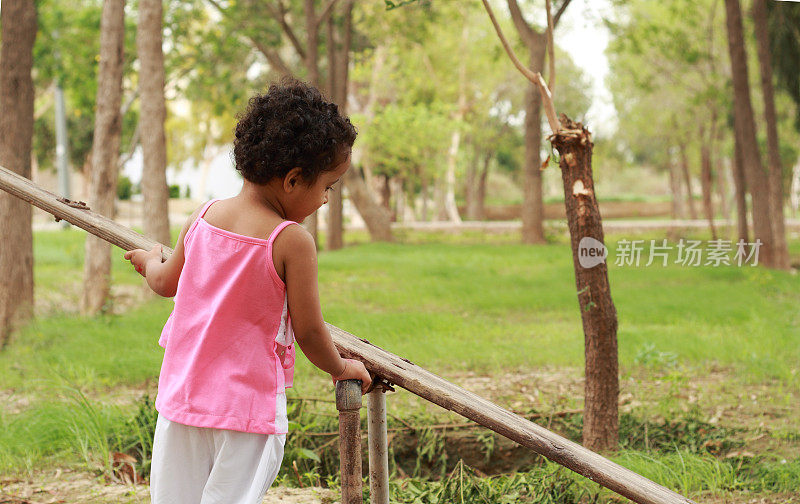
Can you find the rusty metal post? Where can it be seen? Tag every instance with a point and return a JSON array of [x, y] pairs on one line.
[[378, 447], [348, 402]]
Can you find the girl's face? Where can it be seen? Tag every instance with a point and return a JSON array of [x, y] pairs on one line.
[[310, 197]]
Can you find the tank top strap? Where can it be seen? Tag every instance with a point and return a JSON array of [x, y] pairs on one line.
[[270, 241], [202, 213], [275, 232], [206, 207]]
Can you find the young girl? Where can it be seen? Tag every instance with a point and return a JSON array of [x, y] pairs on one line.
[[244, 277]]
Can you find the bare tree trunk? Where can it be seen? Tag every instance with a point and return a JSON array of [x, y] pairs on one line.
[[338, 66], [482, 187], [364, 197], [399, 197], [780, 247], [450, 208], [757, 180], [108, 125], [19, 25], [598, 314], [152, 117], [455, 139], [740, 185], [312, 67], [475, 187], [386, 193], [687, 179], [424, 194], [678, 207], [705, 181], [471, 189], [722, 183], [533, 199], [439, 210], [376, 218]]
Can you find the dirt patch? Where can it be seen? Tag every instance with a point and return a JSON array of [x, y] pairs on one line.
[[68, 486], [738, 498], [66, 300]]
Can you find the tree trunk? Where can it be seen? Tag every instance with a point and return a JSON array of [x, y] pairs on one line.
[[386, 193], [678, 208], [107, 129], [705, 181], [152, 117], [598, 314], [471, 190], [312, 68], [482, 187], [424, 194], [780, 247], [740, 187], [338, 65], [533, 200], [363, 196], [687, 179], [399, 197], [19, 25], [450, 208], [439, 210], [475, 187], [376, 218], [722, 183], [757, 180]]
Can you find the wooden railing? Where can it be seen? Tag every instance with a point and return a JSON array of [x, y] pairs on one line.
[[388, 369]]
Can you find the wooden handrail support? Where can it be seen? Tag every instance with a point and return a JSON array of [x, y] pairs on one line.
[[378, 443], [348, 402], [398, 371]]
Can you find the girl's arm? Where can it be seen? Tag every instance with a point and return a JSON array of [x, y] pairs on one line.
[[162, 277], [300, 272]]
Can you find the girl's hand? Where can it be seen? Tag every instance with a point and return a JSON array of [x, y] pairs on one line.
[[354, 370], [139, 258]]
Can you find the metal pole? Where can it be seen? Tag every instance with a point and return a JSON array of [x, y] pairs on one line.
[[348, 402], [62, 148], [378, 447]]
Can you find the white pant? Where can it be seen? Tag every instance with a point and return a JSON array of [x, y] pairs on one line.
[[197, 465]]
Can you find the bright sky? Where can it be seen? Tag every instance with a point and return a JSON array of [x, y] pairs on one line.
[[582, 34]]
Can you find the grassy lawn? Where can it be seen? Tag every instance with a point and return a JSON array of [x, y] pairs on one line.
[[466, 307]]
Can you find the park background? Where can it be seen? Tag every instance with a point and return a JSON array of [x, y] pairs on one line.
[[440, 255]]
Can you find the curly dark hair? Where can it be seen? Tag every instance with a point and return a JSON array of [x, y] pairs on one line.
[[292, 125]]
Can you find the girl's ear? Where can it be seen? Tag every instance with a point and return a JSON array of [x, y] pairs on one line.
[[292, 179]]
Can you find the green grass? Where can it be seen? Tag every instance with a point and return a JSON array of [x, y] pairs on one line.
[[450, 307], [453, 304]]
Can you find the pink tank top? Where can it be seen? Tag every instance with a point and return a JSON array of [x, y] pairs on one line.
[[229, 349]]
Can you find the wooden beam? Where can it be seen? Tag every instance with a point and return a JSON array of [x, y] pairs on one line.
[[348, 402], [396, 370]]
